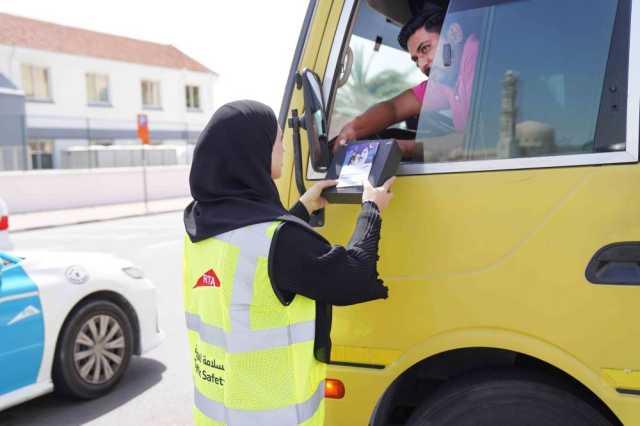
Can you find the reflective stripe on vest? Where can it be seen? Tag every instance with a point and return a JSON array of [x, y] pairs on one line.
[[240, 336], [291, 415], [254, 340]]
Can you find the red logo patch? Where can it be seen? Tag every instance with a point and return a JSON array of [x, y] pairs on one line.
[[208, 279]]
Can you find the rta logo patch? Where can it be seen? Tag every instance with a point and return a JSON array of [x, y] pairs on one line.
[[208, 279]]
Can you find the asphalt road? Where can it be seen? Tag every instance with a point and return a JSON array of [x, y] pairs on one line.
[[156, 389]]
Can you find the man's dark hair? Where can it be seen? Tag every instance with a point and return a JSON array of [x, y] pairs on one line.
[[431, 19]]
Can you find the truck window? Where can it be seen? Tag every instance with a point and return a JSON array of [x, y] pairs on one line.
[[536, 87], [511, 80], [375, 68]]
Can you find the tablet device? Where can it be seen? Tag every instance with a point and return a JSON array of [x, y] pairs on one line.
[[376, 160]]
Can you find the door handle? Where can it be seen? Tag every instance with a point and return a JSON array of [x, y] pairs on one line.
[[615, 264]]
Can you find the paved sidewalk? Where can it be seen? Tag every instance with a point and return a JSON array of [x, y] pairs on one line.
[[30, 221]]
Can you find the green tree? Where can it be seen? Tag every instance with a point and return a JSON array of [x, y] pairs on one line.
[[363, 90]]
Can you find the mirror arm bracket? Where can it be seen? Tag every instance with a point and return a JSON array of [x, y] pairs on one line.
[[294, 125], [298, 80], [316, 219]]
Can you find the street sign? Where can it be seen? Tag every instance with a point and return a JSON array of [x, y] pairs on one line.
[[143, 129]]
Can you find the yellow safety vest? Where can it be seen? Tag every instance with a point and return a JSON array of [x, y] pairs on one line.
[[252, 357]]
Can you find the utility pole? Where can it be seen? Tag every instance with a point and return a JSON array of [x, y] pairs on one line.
[[143, 135]]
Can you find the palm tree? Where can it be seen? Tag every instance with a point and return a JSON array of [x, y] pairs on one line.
[[363, 90]]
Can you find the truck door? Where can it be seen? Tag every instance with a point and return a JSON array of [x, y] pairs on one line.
[[511, 196], [21, 327]]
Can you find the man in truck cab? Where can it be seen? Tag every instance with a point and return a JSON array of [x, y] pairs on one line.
[[420, 37]]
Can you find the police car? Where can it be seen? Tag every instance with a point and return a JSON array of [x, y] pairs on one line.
[[71, 321]]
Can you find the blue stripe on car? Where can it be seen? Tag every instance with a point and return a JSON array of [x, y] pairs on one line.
[[21, 328]]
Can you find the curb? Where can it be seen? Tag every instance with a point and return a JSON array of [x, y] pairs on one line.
[[86, 221]]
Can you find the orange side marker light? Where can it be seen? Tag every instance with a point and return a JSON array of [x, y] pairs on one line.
[[334, 389]]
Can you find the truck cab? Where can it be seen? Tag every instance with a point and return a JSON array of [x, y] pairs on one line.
[[511, 246]]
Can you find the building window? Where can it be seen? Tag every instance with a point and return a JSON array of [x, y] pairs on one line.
[[35, 82], [151, 94], [193, 97], [41, 154], [98, 89]]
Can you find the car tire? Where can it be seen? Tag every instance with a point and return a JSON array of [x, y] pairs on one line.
[[508, 397], [93, 351]]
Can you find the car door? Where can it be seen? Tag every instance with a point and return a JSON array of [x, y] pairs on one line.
[[21, 327]]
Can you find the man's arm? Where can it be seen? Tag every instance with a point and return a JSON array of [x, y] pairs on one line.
[[380, 116]]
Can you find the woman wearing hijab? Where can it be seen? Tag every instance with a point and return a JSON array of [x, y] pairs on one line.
[[259, 282]]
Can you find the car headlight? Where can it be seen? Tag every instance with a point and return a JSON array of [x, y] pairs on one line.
[[134, 272]]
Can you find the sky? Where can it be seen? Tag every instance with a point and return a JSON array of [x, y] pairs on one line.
[[250, 43]]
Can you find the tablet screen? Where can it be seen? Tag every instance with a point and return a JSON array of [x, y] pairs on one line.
[[357, 164]]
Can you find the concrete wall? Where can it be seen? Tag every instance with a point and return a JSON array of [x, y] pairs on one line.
[[62, 189]]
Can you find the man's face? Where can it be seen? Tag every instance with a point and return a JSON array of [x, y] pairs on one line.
[[422, 47]]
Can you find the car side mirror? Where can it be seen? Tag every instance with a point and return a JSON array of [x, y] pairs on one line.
[[315, 121]]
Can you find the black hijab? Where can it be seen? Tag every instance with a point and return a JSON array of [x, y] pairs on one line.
[[230, 177]]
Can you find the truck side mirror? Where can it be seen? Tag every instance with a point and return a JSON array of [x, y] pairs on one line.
[[315, 121]]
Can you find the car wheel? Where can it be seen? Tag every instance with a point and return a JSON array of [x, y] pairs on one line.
[[93, 350], [505, 398]]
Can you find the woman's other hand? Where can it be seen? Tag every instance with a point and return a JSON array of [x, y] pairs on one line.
[[381, 195], [313, 199]]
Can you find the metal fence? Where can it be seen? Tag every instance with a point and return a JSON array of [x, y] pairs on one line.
[[13, 158], [49, 142]]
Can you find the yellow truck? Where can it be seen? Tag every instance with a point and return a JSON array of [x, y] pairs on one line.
[[512, 249]]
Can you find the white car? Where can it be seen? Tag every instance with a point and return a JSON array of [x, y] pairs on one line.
[[71, 321], [5, 242]]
